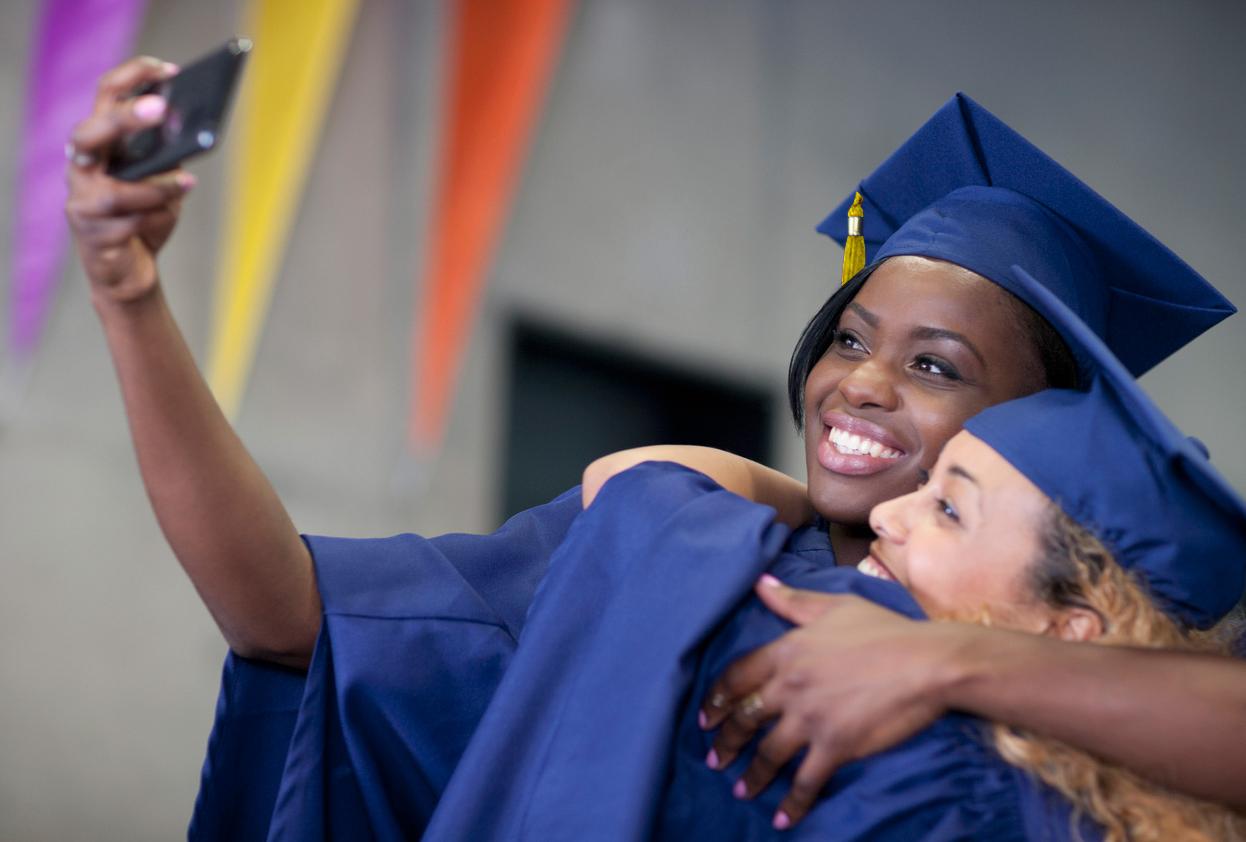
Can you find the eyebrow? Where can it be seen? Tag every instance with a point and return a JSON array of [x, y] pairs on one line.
[[957, 470], [927, 333], [943, 333], [869, 318]]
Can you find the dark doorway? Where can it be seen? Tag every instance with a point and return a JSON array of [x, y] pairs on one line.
[[572, 400]]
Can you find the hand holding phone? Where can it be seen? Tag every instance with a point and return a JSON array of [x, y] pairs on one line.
[[197, 98]]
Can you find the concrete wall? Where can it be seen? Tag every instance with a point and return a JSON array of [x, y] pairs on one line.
[[688, 150]]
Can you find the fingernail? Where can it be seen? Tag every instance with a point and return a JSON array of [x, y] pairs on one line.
[[702, 720], [186, 180], [149, 107], [718, 700], [769, 581], [740, 789], [170, 68], [711, 759], [782, 821]]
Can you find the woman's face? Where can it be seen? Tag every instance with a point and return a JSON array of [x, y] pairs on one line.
[[923, 346], [962, 543]]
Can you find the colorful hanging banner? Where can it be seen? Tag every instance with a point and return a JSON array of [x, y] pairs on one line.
[[299, 49], [500, 60], [75, 42]]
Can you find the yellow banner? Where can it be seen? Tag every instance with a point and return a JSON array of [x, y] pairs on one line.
[[299, 49]]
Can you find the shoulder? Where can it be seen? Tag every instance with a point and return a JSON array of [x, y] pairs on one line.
[[946, 782]]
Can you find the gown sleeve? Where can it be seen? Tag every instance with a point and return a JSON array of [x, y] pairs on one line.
[[415, 636]]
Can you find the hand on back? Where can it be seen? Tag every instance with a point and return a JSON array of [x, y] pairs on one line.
[[852, 679]]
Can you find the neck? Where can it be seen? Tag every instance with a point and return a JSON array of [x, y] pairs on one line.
[[851, 542]]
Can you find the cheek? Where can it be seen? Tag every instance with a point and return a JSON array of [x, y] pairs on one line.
[[937, 575], [822, 380], [937, 420]]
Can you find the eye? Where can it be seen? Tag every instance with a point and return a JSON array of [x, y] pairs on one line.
[[845, 341], [937, 367], [947, 510]]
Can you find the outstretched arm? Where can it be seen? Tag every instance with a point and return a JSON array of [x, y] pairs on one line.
[[221, 516], [742, 476], [854, 678]]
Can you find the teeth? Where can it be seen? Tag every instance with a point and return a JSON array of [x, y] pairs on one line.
[[854, 445], [869, 568]]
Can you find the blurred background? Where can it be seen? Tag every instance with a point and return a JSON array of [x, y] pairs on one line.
[[652, 269]]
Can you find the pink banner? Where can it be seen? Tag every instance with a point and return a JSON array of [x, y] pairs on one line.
[[76, 41]]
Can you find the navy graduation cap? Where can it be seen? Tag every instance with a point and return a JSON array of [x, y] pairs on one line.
[[968, 189], [1116, 465]]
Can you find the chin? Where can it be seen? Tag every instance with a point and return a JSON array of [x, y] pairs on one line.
[[842, 500], [848, 500]]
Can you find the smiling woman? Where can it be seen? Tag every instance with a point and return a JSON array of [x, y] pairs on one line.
[[963, 544], [895, 363]]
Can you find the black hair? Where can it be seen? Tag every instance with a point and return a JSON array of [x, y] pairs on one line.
[[1059, 368]]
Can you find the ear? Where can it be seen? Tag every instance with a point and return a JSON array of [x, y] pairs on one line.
[[1077, 624]]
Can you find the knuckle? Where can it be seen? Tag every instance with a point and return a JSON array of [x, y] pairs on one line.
[[786, 648], [795, 678], [104, 204]]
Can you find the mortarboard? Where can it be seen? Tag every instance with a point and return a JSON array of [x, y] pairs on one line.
[[1115, 464], [968, 189]]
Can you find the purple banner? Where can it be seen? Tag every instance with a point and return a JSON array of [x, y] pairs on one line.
[[76, 41]]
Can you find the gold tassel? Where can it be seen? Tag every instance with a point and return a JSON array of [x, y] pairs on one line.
[[854, 246]]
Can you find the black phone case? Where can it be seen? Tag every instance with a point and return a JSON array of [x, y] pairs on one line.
[[198, 99]]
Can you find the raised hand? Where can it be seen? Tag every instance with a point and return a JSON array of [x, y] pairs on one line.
[[119, 226]]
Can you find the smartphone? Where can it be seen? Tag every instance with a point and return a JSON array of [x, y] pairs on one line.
[[198, 99]]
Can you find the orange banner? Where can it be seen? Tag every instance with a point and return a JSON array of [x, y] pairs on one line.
[[500, 60]]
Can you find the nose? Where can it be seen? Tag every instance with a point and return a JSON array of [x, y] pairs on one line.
[[870, 383], [889, 519]]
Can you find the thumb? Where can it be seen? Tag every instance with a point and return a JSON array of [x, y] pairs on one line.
[[794, 605]]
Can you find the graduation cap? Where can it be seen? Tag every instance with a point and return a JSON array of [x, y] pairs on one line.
[[1116, 465], [968, 189]]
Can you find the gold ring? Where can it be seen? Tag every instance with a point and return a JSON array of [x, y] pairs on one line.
[[752, 705]]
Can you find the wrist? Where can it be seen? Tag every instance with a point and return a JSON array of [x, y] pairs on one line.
[[960, 665], [126, 298]]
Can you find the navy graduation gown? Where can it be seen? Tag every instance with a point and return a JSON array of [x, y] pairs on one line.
[[416, 632], [591, 733]]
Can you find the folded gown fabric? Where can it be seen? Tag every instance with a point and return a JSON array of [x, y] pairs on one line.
[[415, 636]]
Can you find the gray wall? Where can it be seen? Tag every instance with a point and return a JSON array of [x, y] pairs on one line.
[[687, 152]]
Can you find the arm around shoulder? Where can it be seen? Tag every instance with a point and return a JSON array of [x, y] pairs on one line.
[[749, 479]]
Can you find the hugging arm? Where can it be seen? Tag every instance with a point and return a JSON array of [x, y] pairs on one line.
[[745, 477], [222, 518], [854, 678]]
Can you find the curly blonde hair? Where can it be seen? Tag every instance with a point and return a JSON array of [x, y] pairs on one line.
[[1075, 569]]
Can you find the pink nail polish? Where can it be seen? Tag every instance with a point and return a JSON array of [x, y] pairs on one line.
[[149, 107], [702, 720], [186, 180], [740, 790], [769, 581], [711, 759], [782, 821]]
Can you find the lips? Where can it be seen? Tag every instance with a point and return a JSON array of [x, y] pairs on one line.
[[856, 447]]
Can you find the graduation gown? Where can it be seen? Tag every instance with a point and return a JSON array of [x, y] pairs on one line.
[[422, 713]]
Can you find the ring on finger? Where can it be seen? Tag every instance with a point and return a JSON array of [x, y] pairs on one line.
[[77, 157], [752, 705]]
